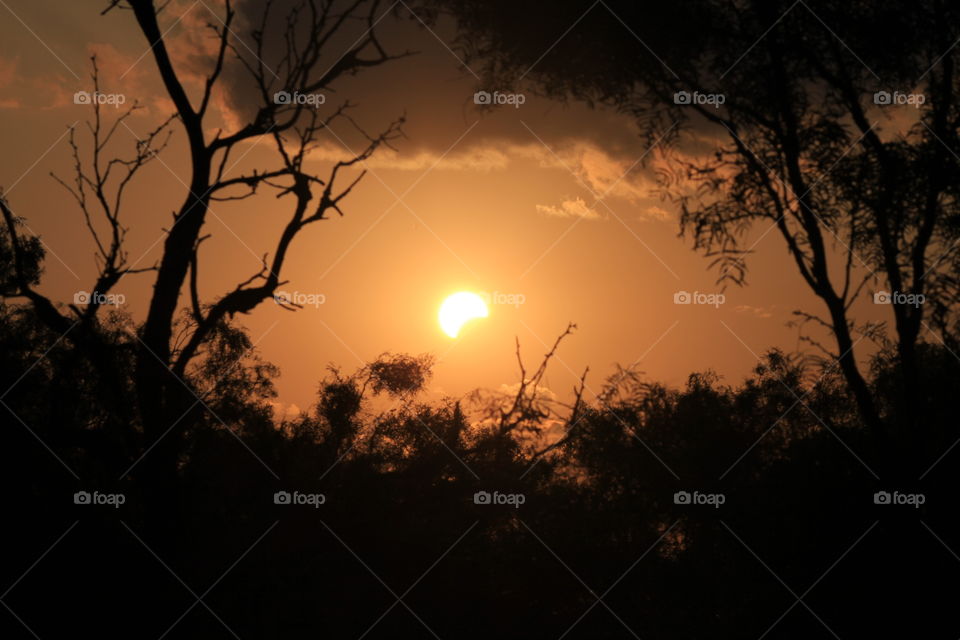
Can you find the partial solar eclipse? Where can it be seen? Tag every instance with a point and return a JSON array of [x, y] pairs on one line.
[[458, 309]]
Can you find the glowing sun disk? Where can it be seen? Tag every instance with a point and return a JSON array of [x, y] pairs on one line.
[[458, 309]]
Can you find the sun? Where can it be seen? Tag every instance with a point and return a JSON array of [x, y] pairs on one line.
[[458, 309]]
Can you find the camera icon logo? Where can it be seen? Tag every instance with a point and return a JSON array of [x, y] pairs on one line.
[[81, 497], [681, 497], [482, 97], [81, 97], [481, 497], [281, 497], [882, 97], [881, 497], [281, 97], [682, 97], [881, 297], [81, 297], [682, 297]]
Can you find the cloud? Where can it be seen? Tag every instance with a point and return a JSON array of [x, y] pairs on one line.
[[760, 312], [606, 174], [658, 213], [576, 208], [118, 74], [20, 89], [590, 167], [8, 71], [544, 394], [598, 151], [283, 411], [481, 158]]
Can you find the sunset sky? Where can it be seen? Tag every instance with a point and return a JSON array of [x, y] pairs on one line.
[[553, 204]]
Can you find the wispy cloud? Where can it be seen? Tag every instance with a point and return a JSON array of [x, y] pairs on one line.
[[760, 312], [576, 208]]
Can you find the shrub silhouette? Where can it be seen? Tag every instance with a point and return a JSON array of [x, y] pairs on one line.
[[399, 475]]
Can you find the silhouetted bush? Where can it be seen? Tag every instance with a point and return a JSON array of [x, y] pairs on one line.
[[402, 506]]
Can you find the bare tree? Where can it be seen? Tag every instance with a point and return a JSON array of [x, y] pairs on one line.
[[303, 37]]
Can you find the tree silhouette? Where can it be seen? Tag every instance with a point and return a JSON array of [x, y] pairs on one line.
[[296, 38], [801, 145]]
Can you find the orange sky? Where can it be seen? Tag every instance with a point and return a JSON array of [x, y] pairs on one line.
[[493, 201]]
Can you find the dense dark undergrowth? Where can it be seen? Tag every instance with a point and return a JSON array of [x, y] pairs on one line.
[[782, 531]]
